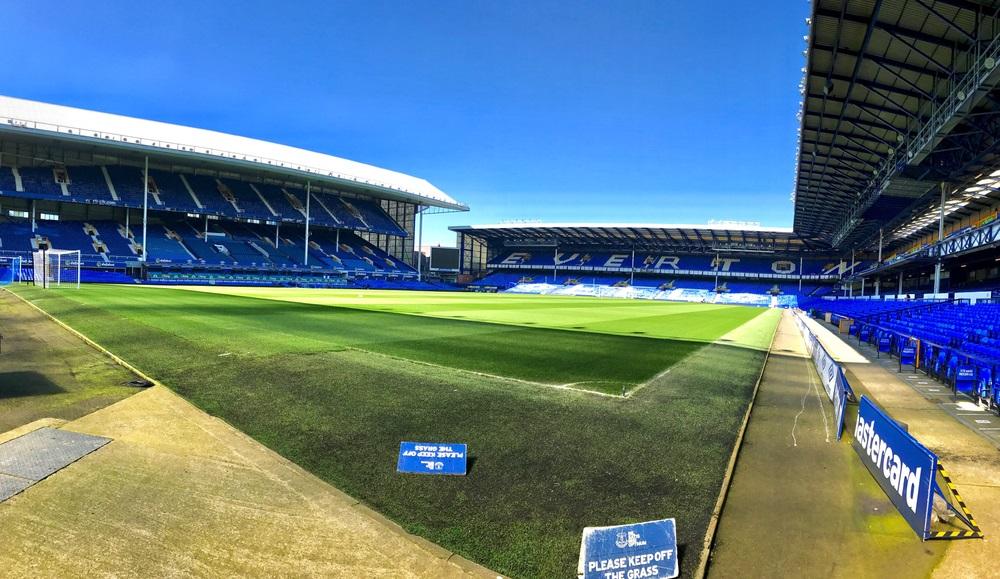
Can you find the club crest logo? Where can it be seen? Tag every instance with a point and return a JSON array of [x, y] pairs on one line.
[[628, 539]]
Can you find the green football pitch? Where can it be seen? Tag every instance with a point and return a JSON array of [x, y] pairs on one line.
[[335, 379]]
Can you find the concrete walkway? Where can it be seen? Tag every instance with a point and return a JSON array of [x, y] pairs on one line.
[[801, 504], [180, 493]]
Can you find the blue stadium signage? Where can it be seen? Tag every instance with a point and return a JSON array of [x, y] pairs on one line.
[[904, 468], [432, 458], [883, 344], [908, 356], [636, 551], [965, 379]]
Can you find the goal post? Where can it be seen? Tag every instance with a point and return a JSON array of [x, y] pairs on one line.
[[57, 267]]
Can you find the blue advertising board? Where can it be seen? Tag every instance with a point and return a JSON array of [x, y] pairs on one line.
[[840, 403], [830, 373], [904, 468], [865, 334], [908, 356], [965, 379], [432, 458], [634, 551], [883, 344]]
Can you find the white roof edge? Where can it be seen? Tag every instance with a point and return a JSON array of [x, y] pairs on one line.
[[713, 226], [33, 115]]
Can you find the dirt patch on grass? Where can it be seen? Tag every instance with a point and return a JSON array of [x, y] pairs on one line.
[[46, 371]]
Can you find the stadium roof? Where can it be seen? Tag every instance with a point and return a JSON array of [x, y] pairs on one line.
[[59, 123], [712, 237], [898, 97]]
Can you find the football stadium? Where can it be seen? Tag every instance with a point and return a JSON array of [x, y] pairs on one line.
[[225, 355]]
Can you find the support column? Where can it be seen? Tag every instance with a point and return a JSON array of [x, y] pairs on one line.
[[851, 287], [800, 274], [900, 292], [878, 280], [277, 229], [555, 258], [862, 287], [937, 265], [631, 278], [33, 225], [127, 211], [145, 206], [305, 249], [461, 254], [420, 245], [716, 270], [206, 228], [880, 246]]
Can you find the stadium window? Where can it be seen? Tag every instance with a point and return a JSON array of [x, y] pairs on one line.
[[17, 213], [48, 216]]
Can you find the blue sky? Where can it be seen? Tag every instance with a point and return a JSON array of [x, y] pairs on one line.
[[669, 111]]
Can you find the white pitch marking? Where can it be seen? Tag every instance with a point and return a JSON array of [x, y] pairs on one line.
[[984, 422]]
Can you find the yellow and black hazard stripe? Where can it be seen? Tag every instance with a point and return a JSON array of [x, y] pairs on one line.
[[975, 532], [955, 535]]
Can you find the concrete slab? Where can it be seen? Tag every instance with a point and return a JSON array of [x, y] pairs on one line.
[[42, 452], [11, 485]]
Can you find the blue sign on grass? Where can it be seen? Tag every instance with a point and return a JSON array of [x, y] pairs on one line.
[[904, 468], [634, 551], [432, 458], [965, 379]]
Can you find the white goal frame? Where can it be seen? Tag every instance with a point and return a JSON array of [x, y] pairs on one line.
[[43, 269]]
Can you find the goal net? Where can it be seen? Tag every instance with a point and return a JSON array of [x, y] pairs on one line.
[[10, 270], [57, 268]]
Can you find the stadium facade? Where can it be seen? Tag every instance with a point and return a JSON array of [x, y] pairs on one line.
[[722, 263], [144, 200]]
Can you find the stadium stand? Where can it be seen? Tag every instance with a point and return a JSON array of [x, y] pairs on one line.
[[182, 243], [947, 335], [121, 186]]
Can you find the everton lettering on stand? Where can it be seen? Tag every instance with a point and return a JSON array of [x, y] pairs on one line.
[[432, 458], [904, 468], [634, 551]]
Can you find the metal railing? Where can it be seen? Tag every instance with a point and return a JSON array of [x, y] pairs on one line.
[[960, 92]]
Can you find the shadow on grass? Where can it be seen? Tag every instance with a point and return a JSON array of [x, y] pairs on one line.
[[26, 383]]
